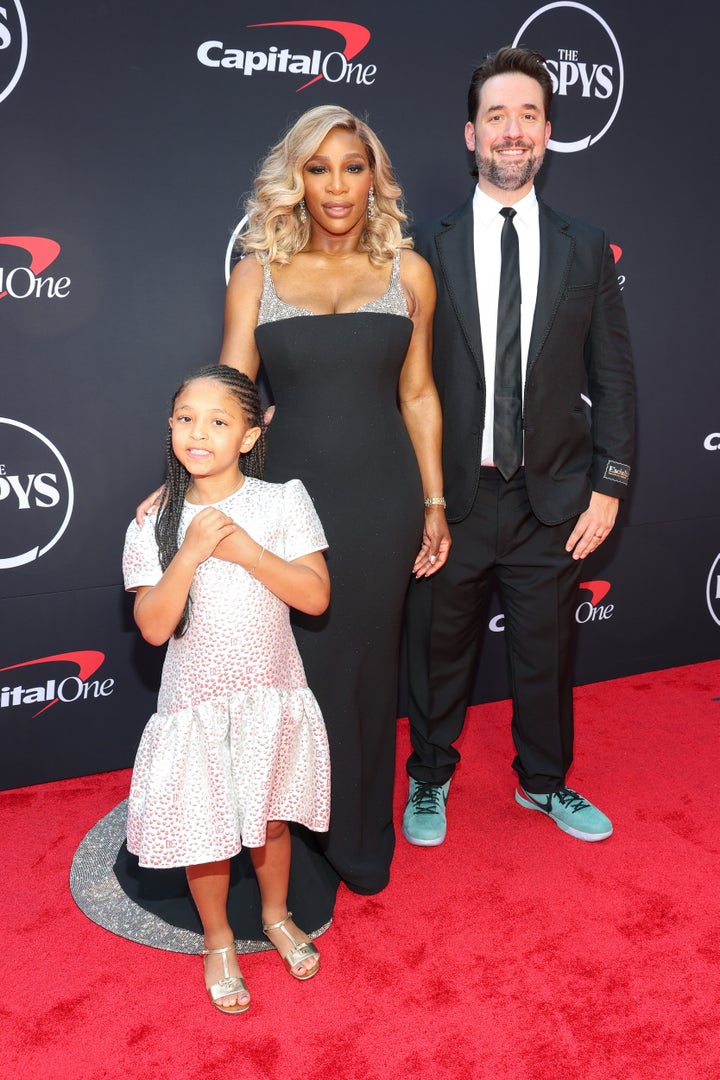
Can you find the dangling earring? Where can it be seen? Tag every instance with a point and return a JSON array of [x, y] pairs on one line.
[[371, 202], [301, 211]]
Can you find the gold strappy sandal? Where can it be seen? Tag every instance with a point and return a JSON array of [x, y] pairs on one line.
[[300, 951], [229, 984]]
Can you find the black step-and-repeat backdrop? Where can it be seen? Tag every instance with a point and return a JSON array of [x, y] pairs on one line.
[[130, 133]]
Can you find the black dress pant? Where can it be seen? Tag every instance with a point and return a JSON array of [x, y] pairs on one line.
[[538, 579]]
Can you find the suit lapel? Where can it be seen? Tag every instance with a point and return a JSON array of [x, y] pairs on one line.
[[556, 251], [456, 253]]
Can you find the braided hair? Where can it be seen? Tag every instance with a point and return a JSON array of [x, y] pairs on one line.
[[177, 477]]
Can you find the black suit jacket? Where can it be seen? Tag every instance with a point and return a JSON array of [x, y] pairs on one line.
[[579, 345]]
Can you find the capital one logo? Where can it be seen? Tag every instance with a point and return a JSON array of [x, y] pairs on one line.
[[63, 677], [36, 494], [335, 66], [617, 256], [588, 610], [13, 45], [712, 590], [586, 67], [712, 441], [23, 278], [593, 609]]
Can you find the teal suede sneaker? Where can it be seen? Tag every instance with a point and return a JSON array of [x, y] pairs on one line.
[[424, 820], [570, 812]]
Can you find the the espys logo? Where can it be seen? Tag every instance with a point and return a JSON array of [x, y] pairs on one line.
[[712, 590], [231, 253], [586, 66], [712, 441], [36, 494], [592, 610], [13, 45], [23, 279], [65, 677], [280, 57]]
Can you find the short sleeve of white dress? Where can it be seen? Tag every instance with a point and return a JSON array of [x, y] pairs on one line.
[[302, 530], [141, 562]]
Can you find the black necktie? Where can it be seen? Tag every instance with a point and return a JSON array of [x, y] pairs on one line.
[[507, 430]]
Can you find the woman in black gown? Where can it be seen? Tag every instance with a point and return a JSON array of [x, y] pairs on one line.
[[336, 306]]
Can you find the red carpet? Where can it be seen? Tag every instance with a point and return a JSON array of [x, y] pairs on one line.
[[510, 951]]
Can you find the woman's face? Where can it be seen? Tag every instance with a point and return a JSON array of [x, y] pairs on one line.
[[337, 180]]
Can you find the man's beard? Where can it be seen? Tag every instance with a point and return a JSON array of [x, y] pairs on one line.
[[509, 175]]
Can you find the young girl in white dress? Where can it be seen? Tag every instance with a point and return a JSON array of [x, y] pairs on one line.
[[237, 747]]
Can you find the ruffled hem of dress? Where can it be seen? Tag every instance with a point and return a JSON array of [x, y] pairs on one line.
[[209, 777]]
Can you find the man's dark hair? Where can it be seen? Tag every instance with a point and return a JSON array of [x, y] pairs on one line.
[[509, 59]]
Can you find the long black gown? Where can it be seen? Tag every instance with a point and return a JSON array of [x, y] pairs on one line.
[[338, 428]]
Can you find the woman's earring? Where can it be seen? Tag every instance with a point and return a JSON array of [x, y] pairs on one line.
[[371, 202], [302, 211]]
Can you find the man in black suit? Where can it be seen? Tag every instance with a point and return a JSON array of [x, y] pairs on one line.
[[534, 462]]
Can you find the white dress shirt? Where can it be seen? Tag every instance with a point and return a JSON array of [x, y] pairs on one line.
[[487, 227]]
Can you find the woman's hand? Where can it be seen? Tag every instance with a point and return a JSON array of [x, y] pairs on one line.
[[151, 503], [435, 545], [420, 408]]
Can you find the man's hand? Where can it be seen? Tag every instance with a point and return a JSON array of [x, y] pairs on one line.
[[593, 526]]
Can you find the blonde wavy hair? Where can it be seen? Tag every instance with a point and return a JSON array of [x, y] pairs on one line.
[[275, 231]]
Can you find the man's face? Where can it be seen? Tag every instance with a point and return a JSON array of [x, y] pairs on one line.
[[509, 135]]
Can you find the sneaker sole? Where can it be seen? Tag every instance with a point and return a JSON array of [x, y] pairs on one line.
[[590, 838], [435, 842]]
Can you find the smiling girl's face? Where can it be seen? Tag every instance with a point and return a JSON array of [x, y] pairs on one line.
[[210, 432]]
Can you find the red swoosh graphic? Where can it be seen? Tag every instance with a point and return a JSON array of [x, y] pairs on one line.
[[598, 590], [356, 37], [42, 253], [87, 660], [617, 252]]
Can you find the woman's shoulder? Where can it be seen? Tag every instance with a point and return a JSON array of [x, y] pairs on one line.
[[247, 273], [417, 279], [412, 264]]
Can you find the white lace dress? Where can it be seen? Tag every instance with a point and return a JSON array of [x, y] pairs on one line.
[[238, 738]]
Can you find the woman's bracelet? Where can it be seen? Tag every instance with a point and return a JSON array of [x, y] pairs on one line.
[[257, 561], [435, 500]]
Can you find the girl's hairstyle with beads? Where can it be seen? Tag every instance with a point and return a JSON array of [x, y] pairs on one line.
[[276, 230], [177, 478]]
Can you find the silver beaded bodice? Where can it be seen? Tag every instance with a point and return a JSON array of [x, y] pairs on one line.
[[392, 301]]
